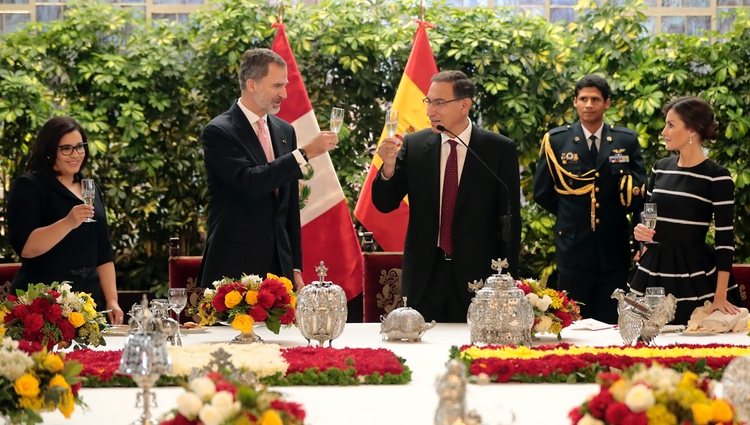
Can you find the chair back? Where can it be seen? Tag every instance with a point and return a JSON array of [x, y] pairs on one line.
[[382, 291], [7, 273], [741, 275]]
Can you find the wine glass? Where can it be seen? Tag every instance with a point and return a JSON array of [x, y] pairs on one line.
[[88, 192], [654, 295], [649, 216], [337, 119], [391, 121], [177, 301]]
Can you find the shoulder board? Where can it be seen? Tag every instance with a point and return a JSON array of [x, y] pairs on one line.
[[557, 130], [623, 130]]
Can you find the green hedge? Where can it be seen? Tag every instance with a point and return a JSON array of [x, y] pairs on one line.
[[143, 92]]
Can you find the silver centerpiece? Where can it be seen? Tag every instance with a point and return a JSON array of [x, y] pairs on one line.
[[145, 358], [321, 309], [735, 384], [404, 324], [451, 389], [499, 312], [170, 327], [638, 321]]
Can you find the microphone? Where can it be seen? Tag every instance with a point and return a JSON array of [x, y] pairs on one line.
[[505, 221]]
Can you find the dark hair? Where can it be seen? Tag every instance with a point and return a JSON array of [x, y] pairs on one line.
[[593, 80], [697, 114], [463, 87], [255, 63], [44, 150]]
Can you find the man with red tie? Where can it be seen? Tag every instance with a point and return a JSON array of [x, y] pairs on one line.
[[455, 201], [253, 166]]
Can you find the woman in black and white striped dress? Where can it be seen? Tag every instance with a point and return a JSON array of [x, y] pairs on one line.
[[690, 191]]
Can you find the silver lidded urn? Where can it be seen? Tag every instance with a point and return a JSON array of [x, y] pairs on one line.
[[321, 309], [735, 383], [404, 324], [499, 312]]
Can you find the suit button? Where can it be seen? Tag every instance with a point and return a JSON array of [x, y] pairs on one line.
[[597, 189], [597, 205], [597, 221], [622, 171], [559, 232], [597, 174]]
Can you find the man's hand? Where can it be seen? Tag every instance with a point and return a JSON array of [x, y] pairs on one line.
[[388, 150], [320, 144]]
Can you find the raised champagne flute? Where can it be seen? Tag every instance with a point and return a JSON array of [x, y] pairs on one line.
[[337, 119], [391, 121], [88, 192], [649, 215], [177, 301]]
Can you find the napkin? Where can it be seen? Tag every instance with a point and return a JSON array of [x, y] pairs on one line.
[[717, 321], [589, 325]]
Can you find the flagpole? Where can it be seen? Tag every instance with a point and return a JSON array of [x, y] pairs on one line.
[[281, 11], [421, 10]]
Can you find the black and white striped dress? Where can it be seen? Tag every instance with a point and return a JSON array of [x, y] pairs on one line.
[[688, 200]]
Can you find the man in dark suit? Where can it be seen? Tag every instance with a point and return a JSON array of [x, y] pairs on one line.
[[253, 166], [591, 175], [455, 203]]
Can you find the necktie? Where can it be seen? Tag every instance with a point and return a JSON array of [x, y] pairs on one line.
[[450, 191], [265, 141], [594, 149]]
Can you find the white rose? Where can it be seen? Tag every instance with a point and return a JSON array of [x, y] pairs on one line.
[[208, 292], [544, 303], [210, 415], [533, 299], [589, 420], [639, 398], [203, 387], [188, 404], [544, 324], [222, 400], [217, 283], [252, 279]]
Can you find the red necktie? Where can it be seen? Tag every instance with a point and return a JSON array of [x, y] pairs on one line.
[[450, 191], [265, 141]]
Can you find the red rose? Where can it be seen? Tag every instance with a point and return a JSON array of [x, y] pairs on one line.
[[20, 310], [53, 313], [54, 294], [226, 386], [67, 330], [218, 302], [40, 305], [258, 313], [288, 317], [29, 346], [606, 379], [75, 388], [265, 299], [598, 405], [575, 415], [33, 322], [564, 317], [635, 419], [616, 413], [293, 409]]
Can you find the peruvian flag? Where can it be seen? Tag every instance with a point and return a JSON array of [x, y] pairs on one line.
[[328, 234], [389, 230]]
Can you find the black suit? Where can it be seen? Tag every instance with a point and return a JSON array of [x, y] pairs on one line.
[[476, 226], [592, 263], [253, 213]]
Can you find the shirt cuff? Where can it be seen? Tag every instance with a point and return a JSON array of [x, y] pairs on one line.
[[300, 160], [383, 177], [297, 270]]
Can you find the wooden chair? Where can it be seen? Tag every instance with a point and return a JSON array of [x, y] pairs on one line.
[[382, 291], [183, 273], [7, 273], [741, 274]]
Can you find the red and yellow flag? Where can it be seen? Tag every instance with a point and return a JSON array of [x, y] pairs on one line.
[[327, 230], [389, 230]]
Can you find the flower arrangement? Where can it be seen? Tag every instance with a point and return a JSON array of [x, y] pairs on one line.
[[248, 300], [553, 310], [570, 363], [653, 395], [216, 399], [47, 315], [35, 383]]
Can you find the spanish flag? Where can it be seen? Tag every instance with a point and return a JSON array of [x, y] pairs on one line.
[[328, 233], [390, 230]]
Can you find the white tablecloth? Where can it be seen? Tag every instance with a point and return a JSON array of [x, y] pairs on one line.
[[410, 404]]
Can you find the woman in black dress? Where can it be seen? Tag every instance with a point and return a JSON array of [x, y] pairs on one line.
[[46, 219], [690, 191]]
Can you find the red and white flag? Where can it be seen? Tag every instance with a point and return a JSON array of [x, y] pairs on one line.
[[389, 230], [327, 230]]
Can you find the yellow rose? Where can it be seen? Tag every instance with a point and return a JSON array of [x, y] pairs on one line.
[[27, 386], [689, 379], [232, 299], [76, 319], [53, 363], [722, 411], [270, 417], [251, 297], [293, 301], [31, 403], [619, 389], [2, 331], [287, 284], [701, 413], [67, 404], [243, 323], [271, 276], [59, 381]]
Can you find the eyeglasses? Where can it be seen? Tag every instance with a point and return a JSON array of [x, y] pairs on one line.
[[67, 150], [439, 102]]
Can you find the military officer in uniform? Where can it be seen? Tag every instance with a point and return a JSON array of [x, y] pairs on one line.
[[591, 175]]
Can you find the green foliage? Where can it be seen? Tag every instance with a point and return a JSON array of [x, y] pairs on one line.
[[143, 92]]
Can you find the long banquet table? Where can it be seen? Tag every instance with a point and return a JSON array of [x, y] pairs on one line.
[[410, 404]]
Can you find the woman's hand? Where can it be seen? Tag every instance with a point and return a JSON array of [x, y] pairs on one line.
[[721, 304], [78, 214], [115, 314], [643, 233]]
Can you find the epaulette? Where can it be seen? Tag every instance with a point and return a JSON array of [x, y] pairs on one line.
[[559, 129], [624, 130]]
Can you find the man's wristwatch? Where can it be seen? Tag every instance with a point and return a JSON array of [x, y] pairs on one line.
[[304, 154]]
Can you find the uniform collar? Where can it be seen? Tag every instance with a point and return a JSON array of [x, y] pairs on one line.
[[597, 133]]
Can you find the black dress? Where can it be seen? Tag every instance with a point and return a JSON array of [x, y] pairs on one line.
[[38, 199], [688, 200]]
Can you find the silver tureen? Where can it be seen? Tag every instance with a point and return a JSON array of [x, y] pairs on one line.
[[321, 309], [404, 324], [499, 312]]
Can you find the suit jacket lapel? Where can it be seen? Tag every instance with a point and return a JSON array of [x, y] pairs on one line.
[[432, 156], [470, 173], [246, 134], [605, 147], [50, 179]]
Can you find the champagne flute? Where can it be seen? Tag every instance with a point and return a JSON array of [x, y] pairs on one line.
[[88, 191], [337, 119], [391, 121], [654, 295], [177, 301], [649, 216]]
